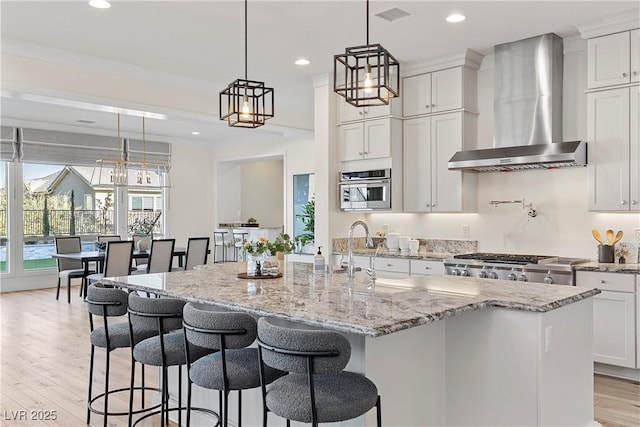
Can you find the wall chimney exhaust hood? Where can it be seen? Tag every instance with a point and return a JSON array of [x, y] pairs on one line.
[[527, 110]]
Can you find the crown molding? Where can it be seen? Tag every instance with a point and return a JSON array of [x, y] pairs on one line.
[[468, 58], [623, 21]]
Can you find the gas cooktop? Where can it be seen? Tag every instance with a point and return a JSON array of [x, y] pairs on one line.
[[508, 258]]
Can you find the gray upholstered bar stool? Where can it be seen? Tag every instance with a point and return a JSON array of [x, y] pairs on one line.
[[233, 366], [317, 389], [165, 349], [107, 302]]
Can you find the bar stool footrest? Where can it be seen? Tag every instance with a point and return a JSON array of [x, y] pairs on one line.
[[204, 410], [116, 414]]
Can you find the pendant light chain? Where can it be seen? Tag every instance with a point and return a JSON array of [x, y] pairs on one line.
[[367, 22], [245, 40]]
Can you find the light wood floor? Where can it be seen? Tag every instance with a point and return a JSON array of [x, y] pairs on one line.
[[44, 355]]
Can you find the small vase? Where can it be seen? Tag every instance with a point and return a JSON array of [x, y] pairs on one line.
[[254, 264], [143, 243]]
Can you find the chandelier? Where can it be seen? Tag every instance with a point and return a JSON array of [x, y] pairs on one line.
[[115, 172], [246, 103], [366, 75]]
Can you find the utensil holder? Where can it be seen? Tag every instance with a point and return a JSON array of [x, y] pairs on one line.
[[606, 253]]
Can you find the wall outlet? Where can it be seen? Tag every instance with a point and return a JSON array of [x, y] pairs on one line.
[[466, 230], [637, 235]]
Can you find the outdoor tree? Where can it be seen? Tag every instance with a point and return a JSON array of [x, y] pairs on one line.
[[46, 223], [72, 217], [104, 209]]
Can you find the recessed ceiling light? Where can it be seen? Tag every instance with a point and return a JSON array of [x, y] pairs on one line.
[[100, 4], [456, 17], [195, 132], [302, 61]]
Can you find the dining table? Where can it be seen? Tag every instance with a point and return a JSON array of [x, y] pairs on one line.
[[88, 257]]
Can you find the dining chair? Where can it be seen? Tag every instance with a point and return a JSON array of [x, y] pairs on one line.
[[109, 238], [317, 389], [117, 261], [197, 252], [160, 257], [68, 268], [232, 365]]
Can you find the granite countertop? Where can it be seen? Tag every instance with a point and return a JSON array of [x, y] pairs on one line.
[[329, 301], [609, 267], [432, 256]]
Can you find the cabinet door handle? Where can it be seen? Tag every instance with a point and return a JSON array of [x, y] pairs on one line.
[[634, 202], [433, 105], [635, 73], [427, 268], [602, 281], [433, 205], [623, 202], [360, 152], [624, 74], [427, 205], [427, 106], [389, 265]]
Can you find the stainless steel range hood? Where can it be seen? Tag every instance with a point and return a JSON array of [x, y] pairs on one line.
[[527, 112]]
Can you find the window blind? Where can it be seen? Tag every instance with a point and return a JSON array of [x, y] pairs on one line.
[[151, 151], [66, 148], [8, 143]]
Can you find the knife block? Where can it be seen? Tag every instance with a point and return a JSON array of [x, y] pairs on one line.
[[606, 253]]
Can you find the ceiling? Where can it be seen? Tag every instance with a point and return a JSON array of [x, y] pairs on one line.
[[200, 43]]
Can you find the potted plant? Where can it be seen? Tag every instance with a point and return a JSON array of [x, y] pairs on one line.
[[307, 216]]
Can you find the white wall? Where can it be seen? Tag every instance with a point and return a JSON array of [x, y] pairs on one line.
[[190, 201], [563, 225], [262, 195], [294, 153]]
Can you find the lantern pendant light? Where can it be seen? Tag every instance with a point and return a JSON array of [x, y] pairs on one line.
[[366, 75], [246, 103]]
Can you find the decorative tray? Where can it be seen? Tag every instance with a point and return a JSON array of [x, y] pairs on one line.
[[246, 276]]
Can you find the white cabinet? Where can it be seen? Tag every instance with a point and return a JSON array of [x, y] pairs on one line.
[[369, 139], [614, 317], [349, 113], [432, 92], [613, 129], [421, 267], [438, 91], [429, 143], [392, 265], [613, 59]]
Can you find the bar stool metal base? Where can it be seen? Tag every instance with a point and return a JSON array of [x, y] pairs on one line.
[[204, 410], [111, 392]]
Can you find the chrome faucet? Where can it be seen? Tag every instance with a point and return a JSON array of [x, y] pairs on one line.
[[368, 243]]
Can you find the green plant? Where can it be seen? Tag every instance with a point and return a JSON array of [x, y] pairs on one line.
[[282, 244], [308, 217], [259, 246], [252, 220]]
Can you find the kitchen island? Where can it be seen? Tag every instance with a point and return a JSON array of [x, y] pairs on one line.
[[442, 350]]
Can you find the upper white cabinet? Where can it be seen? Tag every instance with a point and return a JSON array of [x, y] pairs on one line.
[[613, 131], [348, 113], [439, 91], [613, 59], [429, 143], [369, 139]]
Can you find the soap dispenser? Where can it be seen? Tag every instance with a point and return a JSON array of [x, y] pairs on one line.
[[318, 262]]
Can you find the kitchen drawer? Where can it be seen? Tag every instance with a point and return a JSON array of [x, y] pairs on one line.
[[618, 282], [392, 264], [424, 267]]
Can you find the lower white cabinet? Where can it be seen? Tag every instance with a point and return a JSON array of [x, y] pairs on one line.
[[614, 317], [426, 268]]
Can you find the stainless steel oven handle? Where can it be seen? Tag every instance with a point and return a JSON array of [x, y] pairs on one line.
[[365, 181]]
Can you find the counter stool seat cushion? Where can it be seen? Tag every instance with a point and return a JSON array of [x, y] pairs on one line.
[[242, 370], [339, 396], [118, 336], [148, 351], [66, 274]]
